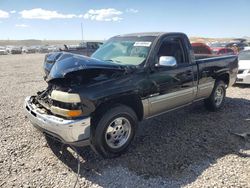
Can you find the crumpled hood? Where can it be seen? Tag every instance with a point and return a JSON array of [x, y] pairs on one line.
[[59, 64]]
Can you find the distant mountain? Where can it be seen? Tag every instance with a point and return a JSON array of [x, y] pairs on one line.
[[205, 40], [31, 42]]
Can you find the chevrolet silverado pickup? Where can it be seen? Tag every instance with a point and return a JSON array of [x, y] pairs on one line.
[[99, 100]]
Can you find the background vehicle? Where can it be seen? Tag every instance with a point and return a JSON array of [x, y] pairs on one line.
[[243, 76], [201, 50], [43, 49], [84, 48], [29, 50], [53, 48], [247, 48], [240, 45], [16, 50], [8, 49], [98, 101], [217, 45], [223, 51], [24, 49], [3, 51]]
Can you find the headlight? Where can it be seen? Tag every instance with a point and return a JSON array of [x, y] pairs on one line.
[[69, 104], [65, 97]]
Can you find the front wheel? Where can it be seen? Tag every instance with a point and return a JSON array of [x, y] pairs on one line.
[[217, 97], [114, 131]]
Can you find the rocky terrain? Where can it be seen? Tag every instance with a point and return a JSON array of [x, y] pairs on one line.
[[190, 147]]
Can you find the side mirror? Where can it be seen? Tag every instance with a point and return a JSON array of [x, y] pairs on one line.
[[167, 61]]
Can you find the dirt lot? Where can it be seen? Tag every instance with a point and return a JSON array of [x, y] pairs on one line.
[[186, 148]]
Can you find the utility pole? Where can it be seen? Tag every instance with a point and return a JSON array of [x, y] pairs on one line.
[[82, 31]]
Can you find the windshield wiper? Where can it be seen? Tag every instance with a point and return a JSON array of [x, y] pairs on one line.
[[115, 61]]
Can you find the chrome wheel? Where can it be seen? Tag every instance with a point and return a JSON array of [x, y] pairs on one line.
[[118, 132], [219, 95]]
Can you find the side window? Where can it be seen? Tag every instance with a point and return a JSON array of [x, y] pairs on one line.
[[173, 47]]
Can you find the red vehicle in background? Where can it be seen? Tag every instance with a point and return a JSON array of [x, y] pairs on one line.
[[223, 51], [201, 48]]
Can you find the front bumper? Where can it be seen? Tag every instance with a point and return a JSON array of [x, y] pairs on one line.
[[243, 78], [73, 132]]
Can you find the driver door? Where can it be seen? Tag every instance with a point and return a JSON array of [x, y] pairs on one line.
[[173, 86]]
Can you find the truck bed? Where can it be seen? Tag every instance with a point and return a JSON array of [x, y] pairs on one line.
[[213, 66]]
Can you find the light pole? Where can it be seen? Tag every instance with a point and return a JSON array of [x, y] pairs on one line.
[[82, 31]]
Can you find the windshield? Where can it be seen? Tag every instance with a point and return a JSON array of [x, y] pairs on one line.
[[125, 50], [244, 55]]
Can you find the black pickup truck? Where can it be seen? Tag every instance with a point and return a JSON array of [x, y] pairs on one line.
[[98, 101]]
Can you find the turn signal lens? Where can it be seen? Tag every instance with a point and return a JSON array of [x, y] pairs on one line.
[[65, 112], [74, 113]]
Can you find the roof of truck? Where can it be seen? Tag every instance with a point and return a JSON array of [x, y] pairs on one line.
[[154, 34]]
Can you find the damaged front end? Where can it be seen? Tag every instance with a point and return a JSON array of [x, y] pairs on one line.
[[60, 110], [66, 73], [69, 131]]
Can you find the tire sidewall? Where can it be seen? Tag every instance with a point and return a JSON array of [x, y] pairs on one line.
[[222, 85], [99, 140]]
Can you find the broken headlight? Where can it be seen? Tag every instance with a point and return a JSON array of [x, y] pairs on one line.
[[65, 97], [65, 104]]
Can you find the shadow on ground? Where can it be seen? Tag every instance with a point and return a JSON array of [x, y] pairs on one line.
[[179, 145], [242, 85]]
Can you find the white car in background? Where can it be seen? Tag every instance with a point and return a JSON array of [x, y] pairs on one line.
[[243, 76], [247, 48], [3, 51]]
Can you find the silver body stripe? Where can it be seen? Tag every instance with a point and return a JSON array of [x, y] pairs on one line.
[[204, 90], [157, 105]]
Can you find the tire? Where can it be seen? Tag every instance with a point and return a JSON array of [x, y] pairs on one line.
[[217, 97], [114, 131]]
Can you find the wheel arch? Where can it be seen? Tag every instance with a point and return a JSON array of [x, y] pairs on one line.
[[133, 101], [224, 77]]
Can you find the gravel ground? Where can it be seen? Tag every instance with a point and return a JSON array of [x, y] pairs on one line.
[[190, 147]]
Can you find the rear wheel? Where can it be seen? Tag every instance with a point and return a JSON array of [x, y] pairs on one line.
[[114, 131], [217, 97]]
